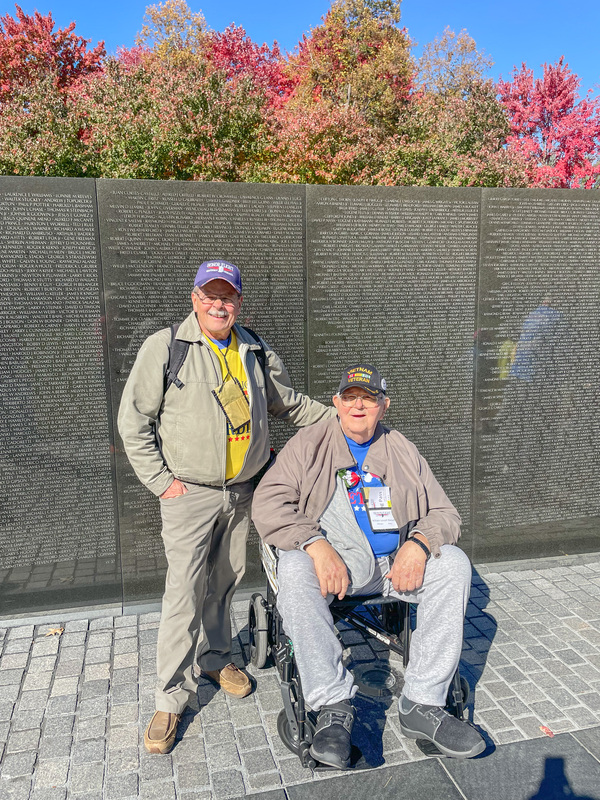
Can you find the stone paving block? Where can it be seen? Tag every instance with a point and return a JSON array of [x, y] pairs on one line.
[[128, 645], [27, 720], [10, 676], [14, 661], [92, 728], [17, 789], [219, 733], [547, 711], [18, 646], [96, 672], [6, 710], [51, 773], [222, 756], [126, 621], [98, 655], [36, 680], [531, 727], [256, 761], [193, 776], [269, 780], [125, 785], [15, 765], [495, 720], [126, 760], [270, 701], [23, 740], [125, 660], [245, 714], [88, 751], [123, 737], [92, 707], [228, 783], [75, 639], [499, 689], [157, 790], [45, 647], [124, 714], [591, 700], [575, 684], [125, 693], [49, 793], [75, 625], [513, 707], [86, 777], [92, 689], [64, 686], [64, 704], [153, 769], [42, 664], [292, 771], [68, 669], [52, 747], [528, 692], [251, 738], [569, 657], [21, 632]]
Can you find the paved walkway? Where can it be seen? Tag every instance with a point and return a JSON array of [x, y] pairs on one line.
[[73, 707]]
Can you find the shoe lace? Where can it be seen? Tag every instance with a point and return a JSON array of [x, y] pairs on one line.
[[436, 713]]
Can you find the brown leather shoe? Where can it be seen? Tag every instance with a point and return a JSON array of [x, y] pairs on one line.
[[159, 736], [231, 679]]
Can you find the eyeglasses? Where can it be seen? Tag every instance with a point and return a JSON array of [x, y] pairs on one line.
[[211, 299], [368, 400]]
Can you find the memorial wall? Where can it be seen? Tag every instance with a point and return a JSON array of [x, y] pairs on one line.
[[480, 307]]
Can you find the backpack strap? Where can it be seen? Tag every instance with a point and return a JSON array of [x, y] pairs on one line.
[[178, 350], [261, 356]]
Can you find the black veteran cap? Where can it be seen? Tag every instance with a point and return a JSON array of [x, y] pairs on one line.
[[363, 376]]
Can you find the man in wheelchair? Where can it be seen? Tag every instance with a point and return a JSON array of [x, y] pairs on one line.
[[353, 508]]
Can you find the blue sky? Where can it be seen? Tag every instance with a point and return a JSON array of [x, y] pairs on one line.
[[512, 31]]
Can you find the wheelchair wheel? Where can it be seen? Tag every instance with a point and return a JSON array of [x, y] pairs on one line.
[[258, 631], [300, 749]]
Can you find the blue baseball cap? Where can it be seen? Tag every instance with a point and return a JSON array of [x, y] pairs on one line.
[[219, 270], [363, 376]]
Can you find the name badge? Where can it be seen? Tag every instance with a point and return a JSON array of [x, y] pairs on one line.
[[379, 508]]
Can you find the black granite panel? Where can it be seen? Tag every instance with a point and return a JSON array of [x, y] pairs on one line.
[[408, 781], [392, 281], [538, 769], [154, 236], [58, 542], [537, 455]]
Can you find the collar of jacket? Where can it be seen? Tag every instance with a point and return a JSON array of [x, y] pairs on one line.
[[190, 331], [376, 459]]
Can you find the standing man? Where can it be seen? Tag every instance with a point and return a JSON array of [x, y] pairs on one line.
[[196, 440]]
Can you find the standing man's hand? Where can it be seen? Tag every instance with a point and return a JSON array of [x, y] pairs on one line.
[[408, 569], [175, 489], [331, 570]]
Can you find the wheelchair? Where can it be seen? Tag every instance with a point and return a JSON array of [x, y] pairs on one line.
[[386, 619]]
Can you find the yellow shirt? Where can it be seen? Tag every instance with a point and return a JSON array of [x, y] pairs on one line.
[[238, 440]]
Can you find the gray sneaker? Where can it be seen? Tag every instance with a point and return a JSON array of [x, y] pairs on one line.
[[452, 737]]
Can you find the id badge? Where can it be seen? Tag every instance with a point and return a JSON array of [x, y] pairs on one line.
[[234, 403], [379, 509]]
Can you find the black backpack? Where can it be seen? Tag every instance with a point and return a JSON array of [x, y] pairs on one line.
[[178, 350]]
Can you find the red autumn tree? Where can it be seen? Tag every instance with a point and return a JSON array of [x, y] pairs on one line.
[[553, 127], [31, 50]]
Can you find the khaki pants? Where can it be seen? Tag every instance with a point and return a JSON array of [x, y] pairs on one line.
[[204, 533]]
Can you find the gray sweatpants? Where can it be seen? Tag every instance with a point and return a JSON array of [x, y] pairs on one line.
[[435, 646], [204, 533]]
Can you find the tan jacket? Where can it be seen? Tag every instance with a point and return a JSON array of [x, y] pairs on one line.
[[182, 434], [296, 490]]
